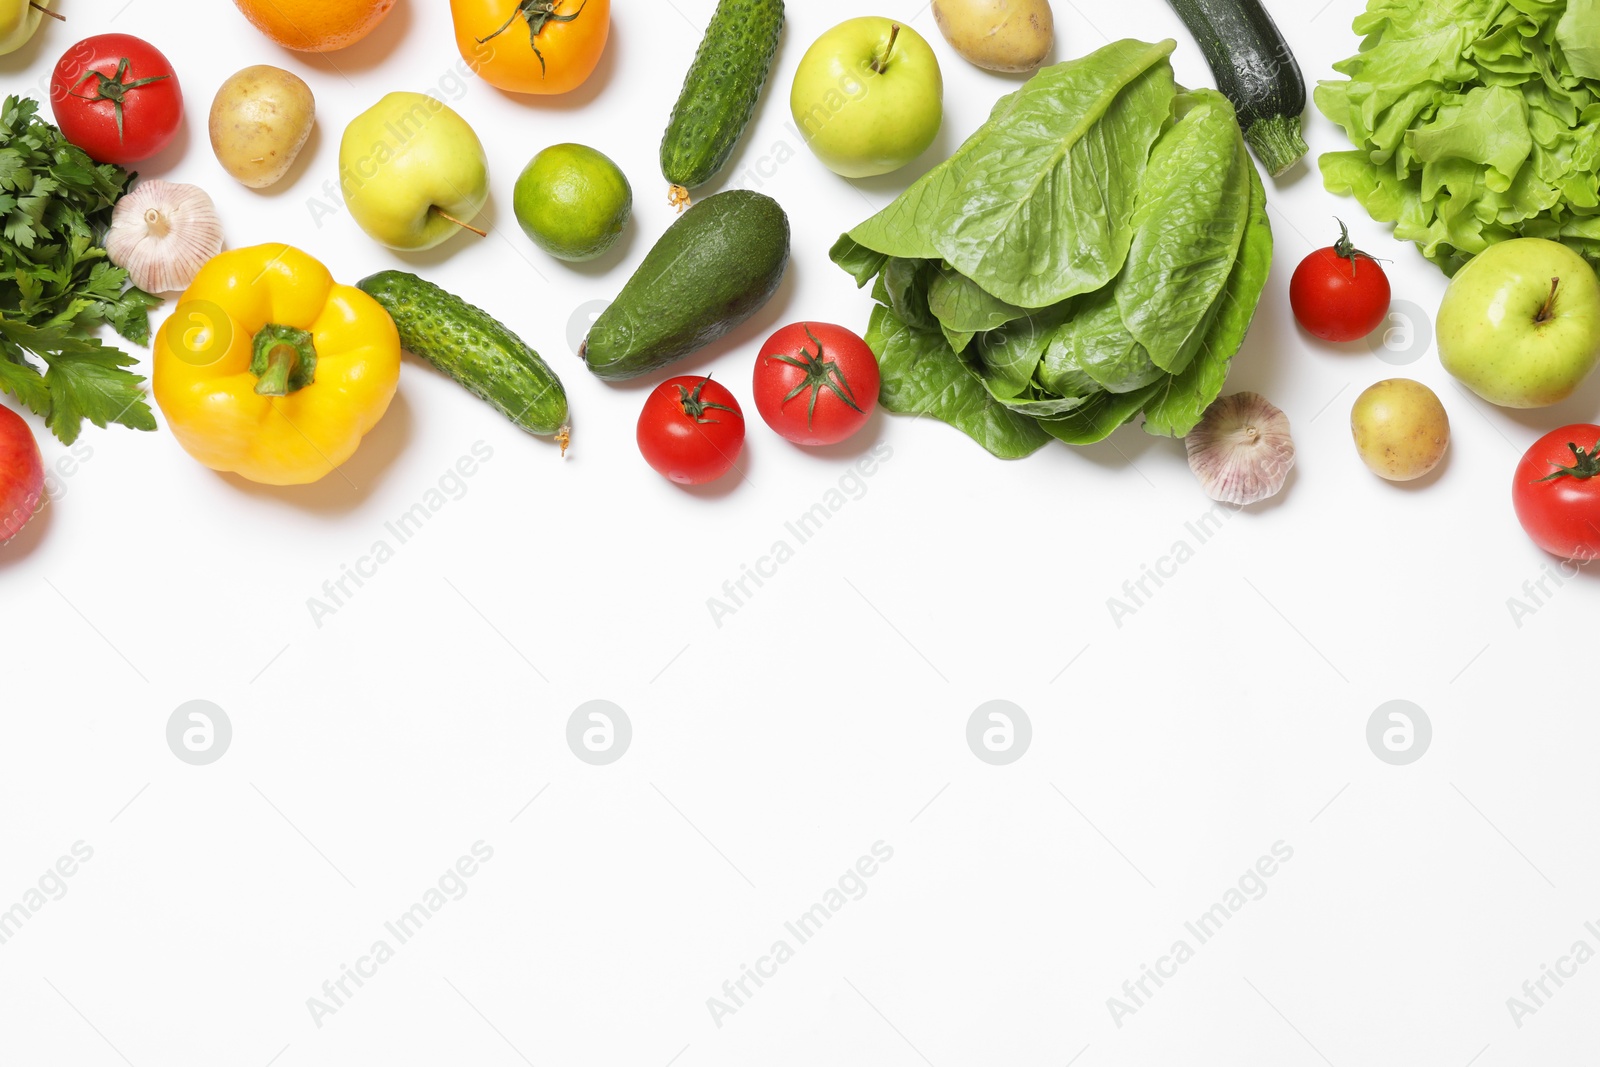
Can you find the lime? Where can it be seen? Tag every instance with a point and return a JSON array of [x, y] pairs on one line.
[[573, 202]]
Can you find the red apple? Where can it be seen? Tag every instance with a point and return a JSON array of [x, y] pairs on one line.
[[21, 474]]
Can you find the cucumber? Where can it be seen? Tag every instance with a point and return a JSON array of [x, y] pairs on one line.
[[713, 268], [475, 349], [720, 92]]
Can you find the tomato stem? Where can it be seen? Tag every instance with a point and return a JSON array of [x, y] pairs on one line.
[[537, 14], [113, 88], [1585, 464], [1345, 250], [821, 373], [1548, 311], [695, 406]]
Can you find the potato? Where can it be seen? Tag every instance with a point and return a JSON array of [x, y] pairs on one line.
[[260, 120], [1401, 429], [1011, 36]]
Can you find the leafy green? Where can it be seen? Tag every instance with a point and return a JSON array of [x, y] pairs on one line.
[[1095, 352], [1008, 356], [57, 286], [1181, 400], [1035, 207], [1098, 416], [921, 376], [961, 304], [1095, 250], [1186, 232], [1474, 122], [1579, 42]]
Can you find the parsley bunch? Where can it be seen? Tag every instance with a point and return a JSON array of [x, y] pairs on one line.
[[57, 285]]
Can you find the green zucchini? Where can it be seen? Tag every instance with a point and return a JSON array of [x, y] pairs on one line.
[[475, 349], [1256, 71], [720, 92]]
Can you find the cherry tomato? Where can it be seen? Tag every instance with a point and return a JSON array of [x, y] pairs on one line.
[[1557, 492], [116, 97], [1339, 293], [691, 430], [816, 383]]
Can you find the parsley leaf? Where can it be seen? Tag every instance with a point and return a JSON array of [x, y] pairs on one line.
[[57, 285]]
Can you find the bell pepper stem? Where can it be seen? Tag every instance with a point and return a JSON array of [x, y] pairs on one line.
[[280, 361], [285, 360]]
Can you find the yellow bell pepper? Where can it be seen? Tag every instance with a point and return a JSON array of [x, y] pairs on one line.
[[270, 369]]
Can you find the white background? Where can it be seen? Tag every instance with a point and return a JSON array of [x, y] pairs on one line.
[[827, 714]]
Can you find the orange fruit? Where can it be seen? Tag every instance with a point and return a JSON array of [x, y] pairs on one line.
[[315, 25]]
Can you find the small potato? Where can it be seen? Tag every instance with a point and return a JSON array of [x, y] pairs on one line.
[[1401, 429], [1011, 36], [260, 120]]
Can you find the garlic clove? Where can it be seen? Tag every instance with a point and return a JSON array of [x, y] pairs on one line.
[[1241, 451], [162, 233]]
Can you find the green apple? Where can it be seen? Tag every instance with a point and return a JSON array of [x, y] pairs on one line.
[[413, 172], [18, 21], [1520, 323], [868, 97]]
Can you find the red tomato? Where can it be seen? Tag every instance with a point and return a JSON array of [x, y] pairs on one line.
[[21, 474], [1339, 293], [116, 97], [815, 383], [691, 430], [1557, 492]]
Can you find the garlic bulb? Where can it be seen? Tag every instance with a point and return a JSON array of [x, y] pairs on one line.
[[1241, 451], [162, 233]]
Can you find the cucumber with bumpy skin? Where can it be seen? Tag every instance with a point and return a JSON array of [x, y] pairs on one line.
[[720, 92], [475, 349]]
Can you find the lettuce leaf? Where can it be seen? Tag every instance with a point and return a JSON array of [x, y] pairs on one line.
[[1095, 250], [1186, 231], [1473, 122], [1179, 401], [1035, 207], [921, 376]]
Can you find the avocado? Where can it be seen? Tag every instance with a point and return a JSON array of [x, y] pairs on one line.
[[713, 269]]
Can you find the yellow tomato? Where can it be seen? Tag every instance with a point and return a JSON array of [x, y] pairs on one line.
[[532, 46]]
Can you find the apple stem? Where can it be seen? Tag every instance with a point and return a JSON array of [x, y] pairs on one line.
[[881, 63], [463, 225], [1547, 312], [58, 16]]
